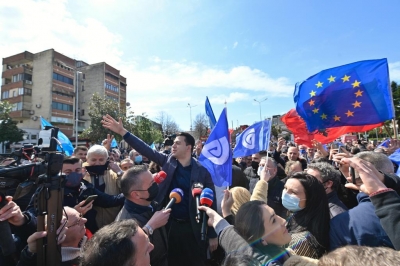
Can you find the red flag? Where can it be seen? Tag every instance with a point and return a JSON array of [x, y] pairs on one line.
[[298, 127]]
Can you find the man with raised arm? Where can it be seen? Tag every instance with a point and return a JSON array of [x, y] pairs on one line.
[[184, 241]]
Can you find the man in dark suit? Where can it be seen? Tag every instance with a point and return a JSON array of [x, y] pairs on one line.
[[184, 240]]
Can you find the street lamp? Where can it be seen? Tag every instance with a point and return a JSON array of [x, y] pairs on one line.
[[77, 107], [190, 106], [259, 102]]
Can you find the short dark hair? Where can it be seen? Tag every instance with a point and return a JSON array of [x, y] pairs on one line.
[[327, 172], [360, 256], [71, 160], [111, 245], [80, 148], [189, 140], [130, 178]]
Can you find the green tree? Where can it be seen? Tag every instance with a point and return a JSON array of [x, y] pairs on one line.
[[141, 126], [8, 127], [144, 129], [98, 107], [396, 100]]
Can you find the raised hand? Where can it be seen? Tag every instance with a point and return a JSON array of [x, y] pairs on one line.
[[114, 125]]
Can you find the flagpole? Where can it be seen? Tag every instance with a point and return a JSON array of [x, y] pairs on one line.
[[394, 128]]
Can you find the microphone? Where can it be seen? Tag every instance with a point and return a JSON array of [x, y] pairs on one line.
[[206, 199], [159, 177], [176, 196], [197, 188]]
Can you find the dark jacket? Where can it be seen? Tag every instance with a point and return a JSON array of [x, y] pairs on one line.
[[239, 178], [158, 257], [252, 177], [168, 164], [336, 206], [358, 226], [387, 206]]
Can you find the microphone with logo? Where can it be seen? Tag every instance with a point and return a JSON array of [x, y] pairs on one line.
[[159, 177], [197, 188], [206, 199], [175, 196]]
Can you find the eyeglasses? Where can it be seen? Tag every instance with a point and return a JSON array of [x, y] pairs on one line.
[[77, 222]]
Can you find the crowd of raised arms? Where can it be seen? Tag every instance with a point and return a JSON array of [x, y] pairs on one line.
[[335, 204]]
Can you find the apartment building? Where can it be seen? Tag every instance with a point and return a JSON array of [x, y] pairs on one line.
[[58, 88]]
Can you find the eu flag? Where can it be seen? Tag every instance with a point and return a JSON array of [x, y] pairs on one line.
[[254, 139], [210, 114], [216, 155], [351, 95], [65, 142]]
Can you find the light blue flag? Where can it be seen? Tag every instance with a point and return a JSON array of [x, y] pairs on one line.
[[216, 155], [114, 144], [65, 142], [210, 114], [153, 146], [254, 139], [384, 144], [395, 158]]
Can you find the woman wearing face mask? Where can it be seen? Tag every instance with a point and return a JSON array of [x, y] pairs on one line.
[[304, 196]]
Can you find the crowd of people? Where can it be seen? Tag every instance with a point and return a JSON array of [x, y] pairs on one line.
[[289, 205]]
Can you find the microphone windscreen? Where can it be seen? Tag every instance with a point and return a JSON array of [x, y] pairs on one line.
[[177, 194], [196, 191], [160, 177], [207, 197]]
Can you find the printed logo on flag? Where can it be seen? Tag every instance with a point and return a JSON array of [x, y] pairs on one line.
[[217, 151], [249, 140]]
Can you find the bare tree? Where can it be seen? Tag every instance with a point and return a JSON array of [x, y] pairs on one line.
[[200, 125], [169, 126]]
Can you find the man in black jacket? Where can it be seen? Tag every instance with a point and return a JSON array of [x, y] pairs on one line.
[[185, 246], [139, 189]]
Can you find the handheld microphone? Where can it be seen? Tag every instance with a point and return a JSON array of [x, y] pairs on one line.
[[159, 177], [197, 188], [6, 240], [176, 196], [206, 199]]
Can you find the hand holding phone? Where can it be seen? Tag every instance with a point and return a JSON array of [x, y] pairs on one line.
[[89, 200]]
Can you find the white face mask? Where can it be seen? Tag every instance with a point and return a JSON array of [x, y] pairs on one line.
[[260, 169]]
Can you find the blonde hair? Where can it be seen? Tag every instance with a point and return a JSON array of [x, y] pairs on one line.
[[240, 196]]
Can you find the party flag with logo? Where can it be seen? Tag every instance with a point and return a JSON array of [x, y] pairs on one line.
[[254, 139], [65, 142], [216, 155]]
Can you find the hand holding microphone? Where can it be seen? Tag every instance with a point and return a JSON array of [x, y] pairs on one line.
[[197, 188], [159, 177], [206, 199], [175, 196]]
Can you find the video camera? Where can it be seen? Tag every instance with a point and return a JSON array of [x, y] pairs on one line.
[[40, 165], [169, 140]]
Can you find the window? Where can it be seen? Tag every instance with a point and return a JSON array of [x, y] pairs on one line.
[[83, 76], [62, 106], [83, 88], [15, 93], [33, 136], [17, 106], [5, 95], [20, 91], [111, 87], [62, 94], [82, 112], [63, 78]]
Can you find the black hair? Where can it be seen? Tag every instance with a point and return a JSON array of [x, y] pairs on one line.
[[249, 222], [71, 160], [315, 217], [111, 245], [189, 140]]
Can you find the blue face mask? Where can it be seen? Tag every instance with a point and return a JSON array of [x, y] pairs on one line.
[[290, 202], [73, 179], [138, 159]]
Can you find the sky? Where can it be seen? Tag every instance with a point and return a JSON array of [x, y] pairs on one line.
[[175, 53]]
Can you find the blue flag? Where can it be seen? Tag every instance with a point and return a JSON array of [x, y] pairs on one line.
[[114, 144], [384, 144], [65, 142], [216, 155], [254, 139], [210, 114], [153, 146], [395, 157], [356, 94]]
